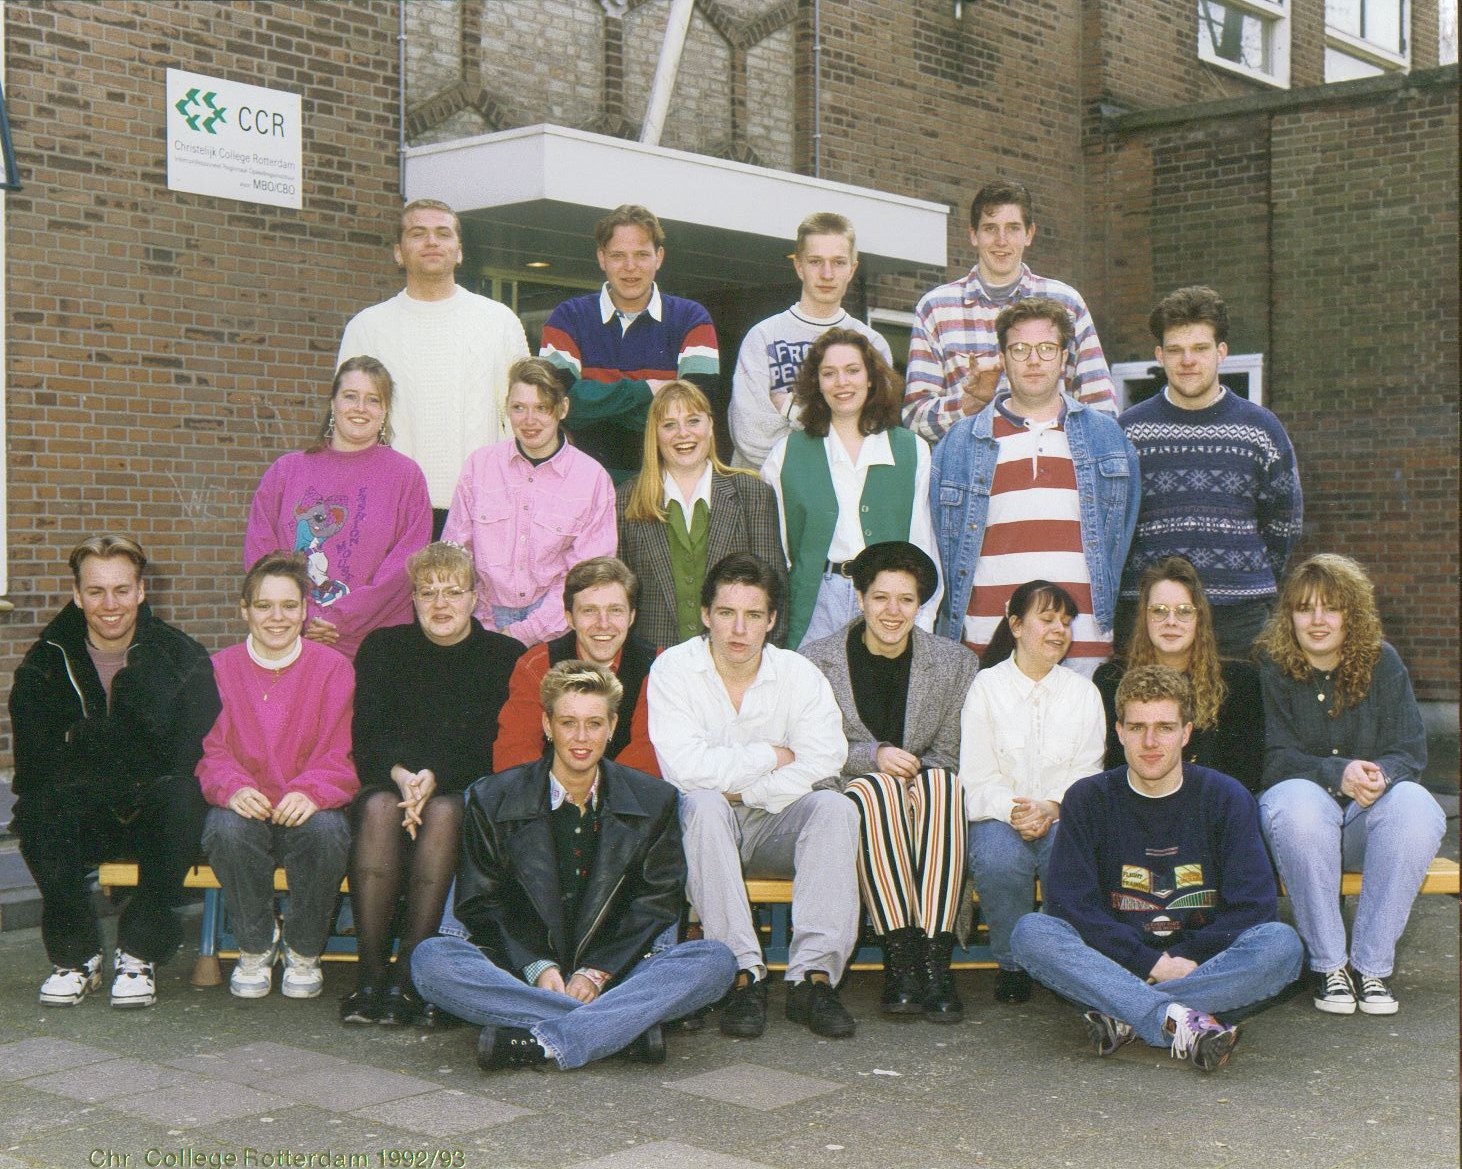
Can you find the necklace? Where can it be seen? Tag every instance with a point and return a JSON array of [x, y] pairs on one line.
[[275, 666], [1320, 679]]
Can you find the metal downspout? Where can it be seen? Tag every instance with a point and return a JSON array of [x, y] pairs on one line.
[[665, 70], [817, 89], [401, 96]]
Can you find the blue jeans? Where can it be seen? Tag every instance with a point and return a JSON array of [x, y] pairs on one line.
[[505, 615], [1262, 961], [1312, 837], [1003, 868], [837, 604], [455, 975]]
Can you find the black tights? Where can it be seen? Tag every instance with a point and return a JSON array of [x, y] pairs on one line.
[[383, 852]]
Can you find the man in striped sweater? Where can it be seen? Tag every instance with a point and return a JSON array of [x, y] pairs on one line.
[[955, 365], [1035, 486], [616, 348]]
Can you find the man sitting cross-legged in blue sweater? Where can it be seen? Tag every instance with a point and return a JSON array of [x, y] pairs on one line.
[[1160, 904]]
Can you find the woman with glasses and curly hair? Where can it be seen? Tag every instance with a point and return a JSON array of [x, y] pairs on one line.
[[1175, 628], [1345, 748], [851, 477]]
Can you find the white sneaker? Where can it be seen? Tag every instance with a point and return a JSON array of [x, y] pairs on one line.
[[68, 985], [253, 974], [133, 984], [303, 978]]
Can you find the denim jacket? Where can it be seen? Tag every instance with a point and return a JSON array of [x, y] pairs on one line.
[[959, 497]]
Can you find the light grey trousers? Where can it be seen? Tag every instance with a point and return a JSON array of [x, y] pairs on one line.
[[814, 841]]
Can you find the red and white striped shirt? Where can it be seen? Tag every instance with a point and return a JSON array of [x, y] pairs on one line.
[[1033, 533]]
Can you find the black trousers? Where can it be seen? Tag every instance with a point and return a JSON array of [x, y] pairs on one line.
[[65, 833]]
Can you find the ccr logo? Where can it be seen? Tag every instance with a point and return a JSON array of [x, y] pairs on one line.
[[199, 105]]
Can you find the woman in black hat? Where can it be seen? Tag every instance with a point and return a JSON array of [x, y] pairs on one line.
[[901, 690]]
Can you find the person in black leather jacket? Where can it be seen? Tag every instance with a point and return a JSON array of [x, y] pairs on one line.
[[109, 709], [569, 893]]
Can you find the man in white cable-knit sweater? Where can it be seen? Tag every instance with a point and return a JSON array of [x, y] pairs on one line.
[[448, 351]]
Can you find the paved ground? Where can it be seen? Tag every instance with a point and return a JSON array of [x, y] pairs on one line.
[[275, 1082]]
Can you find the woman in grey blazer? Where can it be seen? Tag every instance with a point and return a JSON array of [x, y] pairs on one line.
[[685, 511], [901, 691]]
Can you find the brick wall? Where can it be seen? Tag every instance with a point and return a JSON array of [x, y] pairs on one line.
[[165, 347], [1327, 218]]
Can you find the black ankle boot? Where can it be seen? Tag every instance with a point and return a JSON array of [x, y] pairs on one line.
[[903, 972], [942, 1003]]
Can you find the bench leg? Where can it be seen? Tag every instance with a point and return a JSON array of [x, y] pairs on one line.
[[206, 971]]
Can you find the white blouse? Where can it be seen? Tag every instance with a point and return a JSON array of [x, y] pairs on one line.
[[1025, 738]]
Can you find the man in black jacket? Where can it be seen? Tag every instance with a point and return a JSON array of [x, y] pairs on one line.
[[109, 709], [569, 890]]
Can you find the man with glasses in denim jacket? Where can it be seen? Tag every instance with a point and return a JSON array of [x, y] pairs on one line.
[[1036, 485]]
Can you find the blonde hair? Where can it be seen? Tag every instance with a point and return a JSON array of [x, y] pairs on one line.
[[576, 677], [444, 559], [1341, 583], [647, 496], [1204, 670]]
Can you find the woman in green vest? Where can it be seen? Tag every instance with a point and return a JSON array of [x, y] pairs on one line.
[[685, 510], [851, 477]]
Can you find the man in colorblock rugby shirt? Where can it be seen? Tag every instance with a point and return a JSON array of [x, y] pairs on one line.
[[614, 349]]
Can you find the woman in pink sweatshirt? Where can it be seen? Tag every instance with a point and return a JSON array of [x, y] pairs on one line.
[[352, 507], [276, 769]]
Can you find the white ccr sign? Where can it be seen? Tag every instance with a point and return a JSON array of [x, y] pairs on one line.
[[233, 140]]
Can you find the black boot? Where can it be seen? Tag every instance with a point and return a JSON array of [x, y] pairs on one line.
[[942, 1003], [903, 971]]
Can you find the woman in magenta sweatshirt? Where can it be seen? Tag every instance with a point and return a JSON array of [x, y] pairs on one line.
[[352, 507], [276, 769]]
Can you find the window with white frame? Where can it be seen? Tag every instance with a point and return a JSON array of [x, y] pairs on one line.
[[1136, 381], [1365, 38], [1250, 37]]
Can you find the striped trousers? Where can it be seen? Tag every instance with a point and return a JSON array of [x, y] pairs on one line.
[[911, 848]]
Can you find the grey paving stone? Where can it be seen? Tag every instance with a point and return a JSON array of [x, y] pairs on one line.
[[340, 1089], [256, 1063], [101, 1081], [753, 1086], [445, 1113], [198, 1102], [27, 1114], [301, 1128], [106, 1138], [669, 1155], [36, 1057]]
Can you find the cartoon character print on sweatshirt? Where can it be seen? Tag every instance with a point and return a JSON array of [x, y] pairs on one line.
[[1170, 899], [316, 520]]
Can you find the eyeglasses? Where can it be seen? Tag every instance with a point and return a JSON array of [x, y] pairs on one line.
[[1045, 350], [1183, 613], [451, 594]]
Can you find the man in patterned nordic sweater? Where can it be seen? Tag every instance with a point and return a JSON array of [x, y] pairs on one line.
[[614, 349], [1220, 485]]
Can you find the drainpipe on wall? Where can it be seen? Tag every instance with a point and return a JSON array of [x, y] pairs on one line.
[[817, 89], [665, 70], [401, 97]]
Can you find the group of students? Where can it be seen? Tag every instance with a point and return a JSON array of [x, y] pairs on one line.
[[384, 675]]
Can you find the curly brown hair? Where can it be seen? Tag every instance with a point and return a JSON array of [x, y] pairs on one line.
[[885, 395], [1340, 583], [1204, 671]]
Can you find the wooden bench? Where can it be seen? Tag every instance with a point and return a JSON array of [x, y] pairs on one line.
[[771, 902]]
